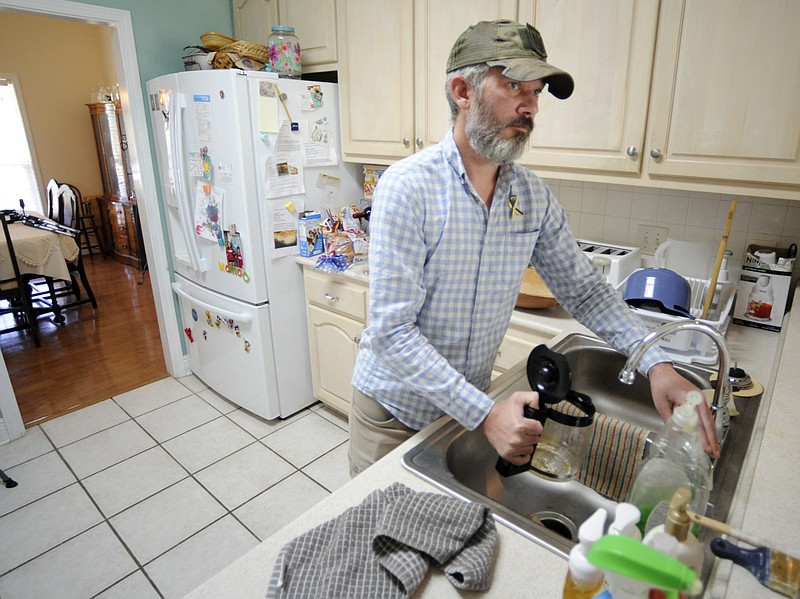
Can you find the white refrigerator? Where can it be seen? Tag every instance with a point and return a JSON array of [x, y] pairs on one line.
[[241, 154]]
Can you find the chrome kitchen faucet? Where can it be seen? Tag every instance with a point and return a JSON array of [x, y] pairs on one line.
[[722, 391]]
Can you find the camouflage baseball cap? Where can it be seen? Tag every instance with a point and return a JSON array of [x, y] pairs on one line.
[[516, 47]]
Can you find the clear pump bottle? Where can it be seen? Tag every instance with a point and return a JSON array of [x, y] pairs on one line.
[[584, 580]]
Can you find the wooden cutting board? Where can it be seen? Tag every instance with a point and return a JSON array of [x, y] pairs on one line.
[[534, 293]]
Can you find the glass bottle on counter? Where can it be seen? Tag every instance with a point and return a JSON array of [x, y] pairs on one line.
[[284, 52]]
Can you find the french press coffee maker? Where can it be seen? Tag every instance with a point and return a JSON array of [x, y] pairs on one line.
[[566, 415]]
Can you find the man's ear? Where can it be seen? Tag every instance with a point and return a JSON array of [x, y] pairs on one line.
[[460, 92]]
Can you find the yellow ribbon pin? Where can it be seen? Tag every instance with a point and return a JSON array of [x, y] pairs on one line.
[[512, 205]]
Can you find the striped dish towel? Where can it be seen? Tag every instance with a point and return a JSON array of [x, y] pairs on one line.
[[614, 453]]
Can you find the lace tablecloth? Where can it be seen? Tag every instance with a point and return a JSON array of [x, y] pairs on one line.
[[38, 252]]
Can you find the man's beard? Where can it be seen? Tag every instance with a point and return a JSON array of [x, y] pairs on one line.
[[484, 134]]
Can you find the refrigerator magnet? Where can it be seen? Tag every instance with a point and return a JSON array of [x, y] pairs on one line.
[[207, 168], [189, 335], [246, 346]]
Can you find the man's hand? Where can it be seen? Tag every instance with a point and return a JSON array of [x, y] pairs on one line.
[[507, 429], [669, 389]]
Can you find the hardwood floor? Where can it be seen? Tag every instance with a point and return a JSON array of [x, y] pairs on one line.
[[98, 354]]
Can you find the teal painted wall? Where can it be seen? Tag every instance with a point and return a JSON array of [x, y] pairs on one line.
[[162, 29]]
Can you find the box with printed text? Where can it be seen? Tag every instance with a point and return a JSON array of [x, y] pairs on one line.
[[309, 234], [766, 287]]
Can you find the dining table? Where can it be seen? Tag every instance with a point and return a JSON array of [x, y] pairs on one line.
[[41, 253]]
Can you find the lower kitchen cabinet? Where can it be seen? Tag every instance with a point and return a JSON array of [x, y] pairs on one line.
[[333, 342], [336, 307]]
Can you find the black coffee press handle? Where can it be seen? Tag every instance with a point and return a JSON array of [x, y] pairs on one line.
[[506, 468]]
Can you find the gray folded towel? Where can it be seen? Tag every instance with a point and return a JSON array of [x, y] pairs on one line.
[[384, 546]]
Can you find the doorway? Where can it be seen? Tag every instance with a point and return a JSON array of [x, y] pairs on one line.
[[124, 51]]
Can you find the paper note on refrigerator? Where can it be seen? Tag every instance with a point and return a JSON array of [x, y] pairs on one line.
[[268, 121], [284, 226], [208, 211], [284, 175], [318, 146]]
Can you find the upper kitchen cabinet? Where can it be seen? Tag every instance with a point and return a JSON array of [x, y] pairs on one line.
[[695, 95], [726, 81], [392, 71], [314, 22], [607, 47]]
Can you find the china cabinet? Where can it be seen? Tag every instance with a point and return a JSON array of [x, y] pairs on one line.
[[118, 200]]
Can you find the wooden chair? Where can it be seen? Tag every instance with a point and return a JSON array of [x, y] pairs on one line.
[[76, 215], [63, 202], [87, 225], [15, 294]]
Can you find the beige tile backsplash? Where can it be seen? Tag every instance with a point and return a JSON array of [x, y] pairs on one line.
[[613, 213]]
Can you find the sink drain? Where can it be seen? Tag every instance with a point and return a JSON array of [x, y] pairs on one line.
[[558, 523]]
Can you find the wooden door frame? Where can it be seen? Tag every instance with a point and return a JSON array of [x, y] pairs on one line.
[[133, 108]]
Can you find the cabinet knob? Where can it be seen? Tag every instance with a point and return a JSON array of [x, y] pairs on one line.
[[655, 153], [331, 298], [418, 141], [406, 142], [632, 151]]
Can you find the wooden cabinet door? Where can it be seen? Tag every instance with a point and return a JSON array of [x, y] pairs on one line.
[[253, 19], [725, 95], [314, 22], [607, 47], [392, 71], [333, 342], [376, 79], [437, 25]]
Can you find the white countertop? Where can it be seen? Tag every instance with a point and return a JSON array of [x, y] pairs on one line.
[[767, 492]]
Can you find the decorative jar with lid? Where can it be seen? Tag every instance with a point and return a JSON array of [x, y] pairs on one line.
[[284, 52]]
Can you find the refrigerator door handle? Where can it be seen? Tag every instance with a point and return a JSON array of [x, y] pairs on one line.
[[184, 199], [239, 317]]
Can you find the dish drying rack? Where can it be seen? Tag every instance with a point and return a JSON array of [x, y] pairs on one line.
[[691, 347]]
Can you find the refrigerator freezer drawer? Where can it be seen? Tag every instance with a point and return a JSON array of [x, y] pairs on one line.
[[230, 348]]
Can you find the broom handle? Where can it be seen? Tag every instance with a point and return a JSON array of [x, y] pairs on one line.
[[720, 255]]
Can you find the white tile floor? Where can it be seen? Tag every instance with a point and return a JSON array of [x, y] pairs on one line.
[[150, 493]]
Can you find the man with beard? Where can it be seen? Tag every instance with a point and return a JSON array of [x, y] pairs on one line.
[[452, 231]]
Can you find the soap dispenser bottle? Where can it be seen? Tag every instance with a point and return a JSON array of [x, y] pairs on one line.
[[584, 580], [677, 459], [626, 520], [688, 549]]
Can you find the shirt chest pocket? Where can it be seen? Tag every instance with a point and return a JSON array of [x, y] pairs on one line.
[[513, 255]]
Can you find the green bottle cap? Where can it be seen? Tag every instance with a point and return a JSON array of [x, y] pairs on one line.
[[634, 559]]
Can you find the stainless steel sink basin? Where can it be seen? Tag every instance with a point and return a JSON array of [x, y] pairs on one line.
[[462, 463]]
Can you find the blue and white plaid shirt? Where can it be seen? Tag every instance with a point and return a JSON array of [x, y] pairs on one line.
[[445, 273]]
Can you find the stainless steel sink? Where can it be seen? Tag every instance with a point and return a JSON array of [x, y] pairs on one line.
[[462, 463]]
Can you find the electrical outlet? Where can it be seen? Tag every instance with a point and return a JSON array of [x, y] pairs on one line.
[[650, 237]]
